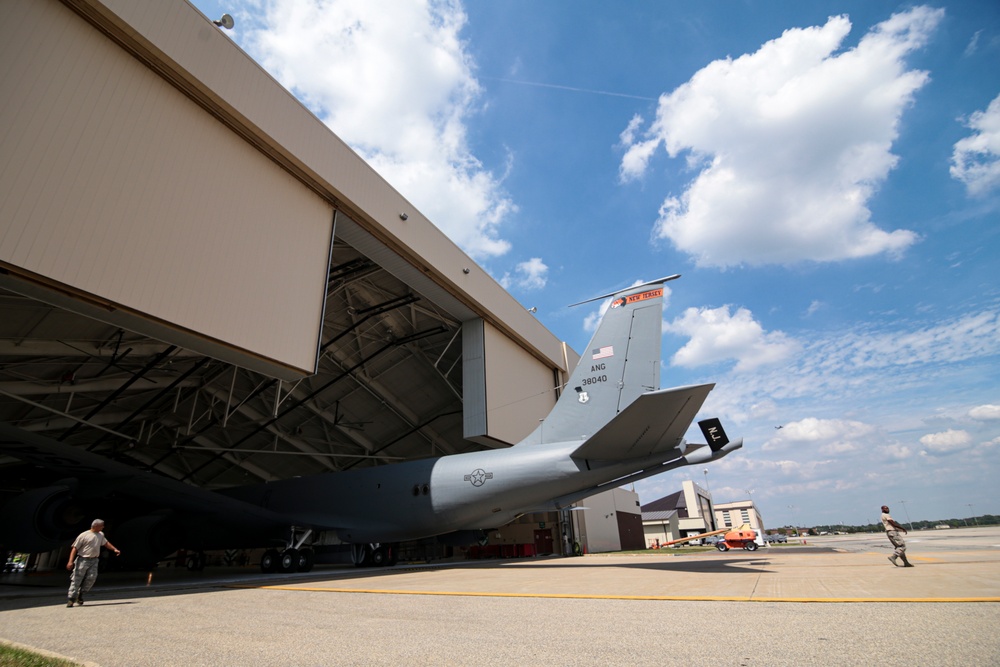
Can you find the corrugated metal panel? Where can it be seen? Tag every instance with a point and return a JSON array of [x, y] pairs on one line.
[[200, 60], [519, 389], [474, 379], [505, 389], [114, 183]]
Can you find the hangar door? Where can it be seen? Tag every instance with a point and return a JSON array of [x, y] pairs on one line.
[[505, 390], [119, 191]]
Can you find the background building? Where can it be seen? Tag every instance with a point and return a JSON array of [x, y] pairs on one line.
[[738, 513], [691, 511], [692, 506], [659, 527], [611, 521]]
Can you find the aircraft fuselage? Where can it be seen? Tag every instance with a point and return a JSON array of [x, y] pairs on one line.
[[429, 497]]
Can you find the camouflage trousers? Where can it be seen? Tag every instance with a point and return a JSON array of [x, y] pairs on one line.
[[83, 576], [897, 541]]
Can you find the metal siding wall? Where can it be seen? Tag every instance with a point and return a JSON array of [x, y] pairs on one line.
[[473, 379], [519, 388], [116, 184]]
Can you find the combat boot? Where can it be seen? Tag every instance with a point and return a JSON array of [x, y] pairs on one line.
[[906, 563], [892, 559]]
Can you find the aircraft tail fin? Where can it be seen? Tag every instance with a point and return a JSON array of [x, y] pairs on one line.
[[621, 363]]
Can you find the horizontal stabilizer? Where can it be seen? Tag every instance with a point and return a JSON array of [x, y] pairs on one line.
[[653, 423]]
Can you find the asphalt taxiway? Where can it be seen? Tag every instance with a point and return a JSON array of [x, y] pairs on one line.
[[834, 600]]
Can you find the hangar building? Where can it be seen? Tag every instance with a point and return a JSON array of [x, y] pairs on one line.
[[681, 514], [198, 278]]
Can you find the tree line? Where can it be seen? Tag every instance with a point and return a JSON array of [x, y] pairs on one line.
[[983, 520]]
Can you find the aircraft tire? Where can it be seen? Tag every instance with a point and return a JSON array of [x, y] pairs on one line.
[[380, 556], [751, 546], [361, 555], [269, 561], [289, 560], [307, 558], [195, 562]]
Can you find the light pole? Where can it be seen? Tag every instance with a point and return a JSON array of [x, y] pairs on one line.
[[907, 513], [711, 512], [969, 505]]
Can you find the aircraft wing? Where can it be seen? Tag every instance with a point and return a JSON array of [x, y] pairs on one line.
[[96, 475], [653, 423]]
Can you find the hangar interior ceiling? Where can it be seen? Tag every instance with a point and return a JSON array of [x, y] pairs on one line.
[[389, 388]]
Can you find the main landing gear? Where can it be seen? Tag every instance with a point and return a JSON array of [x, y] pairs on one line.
[[374, 555], [294, 558]]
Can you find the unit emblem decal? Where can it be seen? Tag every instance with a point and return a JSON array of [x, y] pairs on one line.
[[635, 298], [583, 397], [478, 477]]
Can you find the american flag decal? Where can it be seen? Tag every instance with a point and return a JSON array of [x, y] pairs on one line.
[[604, 352]]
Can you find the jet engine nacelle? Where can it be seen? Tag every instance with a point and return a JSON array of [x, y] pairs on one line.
[[42, 519]]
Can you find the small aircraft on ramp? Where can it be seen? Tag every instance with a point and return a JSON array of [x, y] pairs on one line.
[[612, 425]]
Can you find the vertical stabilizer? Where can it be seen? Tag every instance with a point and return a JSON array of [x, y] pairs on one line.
[[621, 363]]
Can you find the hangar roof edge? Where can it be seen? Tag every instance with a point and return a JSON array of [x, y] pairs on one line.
[[181, 45]]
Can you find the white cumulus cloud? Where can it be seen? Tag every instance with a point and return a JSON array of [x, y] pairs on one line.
[[946, 442], [825, 436], [718, 335], [790, 144], [985, 412], [976, 158], [529, 275], [394, 80], [895, 451]]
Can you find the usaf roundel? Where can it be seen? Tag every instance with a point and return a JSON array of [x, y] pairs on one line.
[[478, 477]]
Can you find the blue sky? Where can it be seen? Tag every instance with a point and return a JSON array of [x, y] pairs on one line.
[[826, 177]]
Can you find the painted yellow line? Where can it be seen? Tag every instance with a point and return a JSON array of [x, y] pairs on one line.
[[584, 596]]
